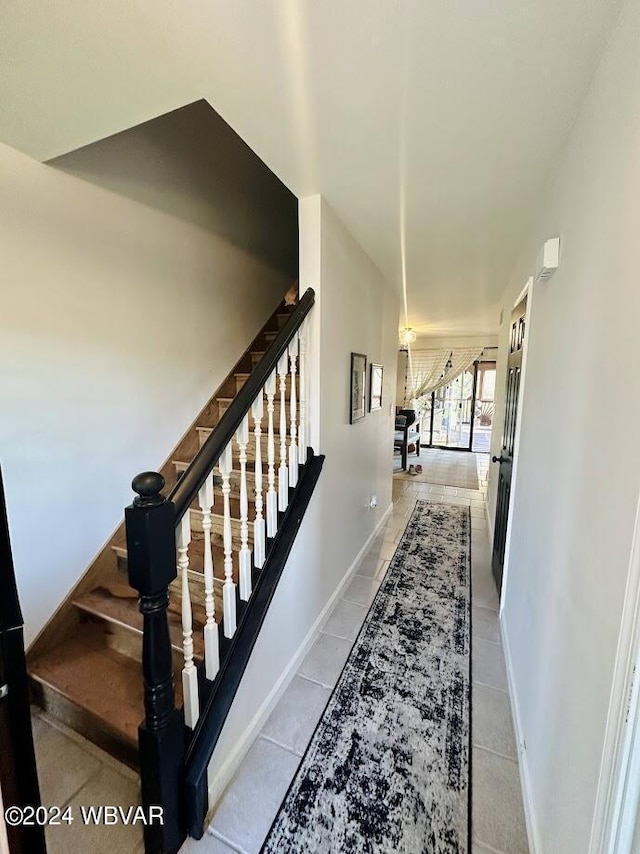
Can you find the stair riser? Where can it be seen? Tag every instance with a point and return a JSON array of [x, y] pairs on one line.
[[223, 405], [126, 641], [234, 481], [93, 728], [205, 432], [196, 577], [242, 379], [217, 528]]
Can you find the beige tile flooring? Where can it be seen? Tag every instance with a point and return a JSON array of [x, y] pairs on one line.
[[446, 468], [72, 771]]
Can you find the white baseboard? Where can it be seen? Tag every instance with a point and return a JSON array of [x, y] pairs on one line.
[[533, 833], [225, 773], [490, 519]]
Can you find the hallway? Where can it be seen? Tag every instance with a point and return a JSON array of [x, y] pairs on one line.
[[271, 763]]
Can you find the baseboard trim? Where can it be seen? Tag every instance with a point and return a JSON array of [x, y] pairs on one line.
[[489, 518], [227, 770], [533, 833]]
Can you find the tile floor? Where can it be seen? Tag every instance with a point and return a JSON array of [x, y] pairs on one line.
[[265, 774], [446, 468], [73, 771]]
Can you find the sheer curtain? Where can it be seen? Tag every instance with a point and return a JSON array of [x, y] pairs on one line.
[[429, 370], [424, 370]]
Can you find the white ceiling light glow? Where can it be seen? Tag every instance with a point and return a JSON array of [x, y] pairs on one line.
[[407, 336]]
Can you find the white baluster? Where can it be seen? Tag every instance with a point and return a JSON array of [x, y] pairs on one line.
[[189, 672], [229, 588], [302, 429], [283, 471], [272, 496], [259, 543], [242, 438], [293, 414], [211, 645]]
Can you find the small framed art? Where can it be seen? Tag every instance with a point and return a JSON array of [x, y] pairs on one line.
[[357, 409], [375, 387]]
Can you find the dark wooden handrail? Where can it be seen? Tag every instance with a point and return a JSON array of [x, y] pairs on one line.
[[187, 487], [18, 772]]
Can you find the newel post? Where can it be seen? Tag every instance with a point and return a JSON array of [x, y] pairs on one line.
[[151, 558]]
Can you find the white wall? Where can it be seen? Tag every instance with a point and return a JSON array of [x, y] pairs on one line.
[[117, 323], [356, 311], [579, 457]]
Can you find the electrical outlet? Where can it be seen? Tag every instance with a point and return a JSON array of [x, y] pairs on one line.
[[373, 502]]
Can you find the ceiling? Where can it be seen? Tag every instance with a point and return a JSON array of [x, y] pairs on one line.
[[428, 125]]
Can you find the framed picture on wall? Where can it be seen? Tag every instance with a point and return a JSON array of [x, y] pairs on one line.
[[357, 409], [375, 387]]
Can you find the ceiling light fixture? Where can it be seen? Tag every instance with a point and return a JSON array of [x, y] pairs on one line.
[[407, 336]]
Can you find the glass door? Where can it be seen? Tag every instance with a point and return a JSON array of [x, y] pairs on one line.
[[452, 412], [485, 407]]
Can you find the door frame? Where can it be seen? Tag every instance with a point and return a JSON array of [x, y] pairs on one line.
[[617, 806], [528, 292]]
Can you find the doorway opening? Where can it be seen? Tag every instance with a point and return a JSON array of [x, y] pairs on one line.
[[459, 415]]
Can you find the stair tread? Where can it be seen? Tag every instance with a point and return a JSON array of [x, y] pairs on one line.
[[118, 603], [105, 683]]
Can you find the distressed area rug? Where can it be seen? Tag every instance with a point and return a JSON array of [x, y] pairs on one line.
[[387, 769]]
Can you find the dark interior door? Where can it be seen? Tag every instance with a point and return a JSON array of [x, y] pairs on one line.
[[18, 772], [505, 460]]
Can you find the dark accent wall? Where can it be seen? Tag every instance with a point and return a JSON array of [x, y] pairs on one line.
[[191, 164]]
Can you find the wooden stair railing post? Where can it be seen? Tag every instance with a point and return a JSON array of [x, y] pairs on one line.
[[293, 447], [242, 437], [18, 772], [302, 405], [225, 464], [272, 495], [189, 672], [283, 471], [259, 533], [151, 550], [211, 640]]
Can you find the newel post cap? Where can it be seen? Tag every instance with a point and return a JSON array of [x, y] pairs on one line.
[[151, 537], [148, 485]]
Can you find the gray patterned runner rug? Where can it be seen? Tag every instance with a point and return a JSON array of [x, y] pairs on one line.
[[387, 769]]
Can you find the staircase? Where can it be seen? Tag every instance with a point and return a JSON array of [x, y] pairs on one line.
[[241, 482]]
